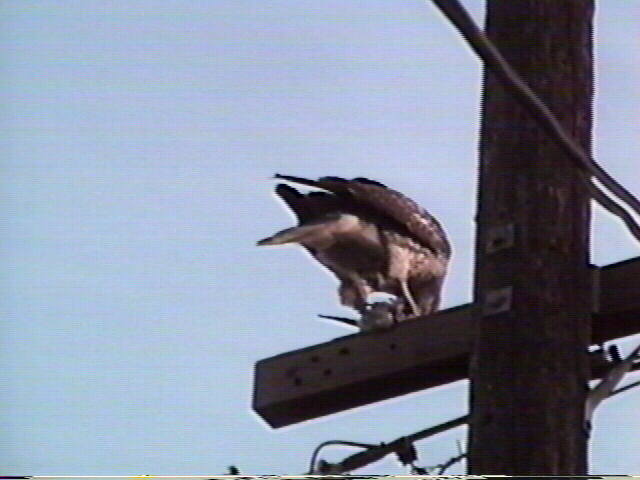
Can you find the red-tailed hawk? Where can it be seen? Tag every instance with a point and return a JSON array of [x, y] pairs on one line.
[[373, 238]]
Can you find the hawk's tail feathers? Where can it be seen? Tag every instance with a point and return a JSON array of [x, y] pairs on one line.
[[297, 234]]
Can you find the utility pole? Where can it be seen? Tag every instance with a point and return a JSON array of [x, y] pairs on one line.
[[529, 366]]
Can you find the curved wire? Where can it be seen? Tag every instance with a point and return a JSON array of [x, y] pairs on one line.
[[316, 451]]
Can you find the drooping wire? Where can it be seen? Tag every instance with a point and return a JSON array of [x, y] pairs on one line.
[[373, 453], [316, 451]]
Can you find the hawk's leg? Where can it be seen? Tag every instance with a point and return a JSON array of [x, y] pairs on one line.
[[409, 298]]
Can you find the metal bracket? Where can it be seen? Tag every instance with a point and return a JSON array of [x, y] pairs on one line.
[[499, 238], [497, 301]]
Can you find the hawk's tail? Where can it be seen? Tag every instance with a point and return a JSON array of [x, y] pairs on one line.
[[320, 229], [289, 235]]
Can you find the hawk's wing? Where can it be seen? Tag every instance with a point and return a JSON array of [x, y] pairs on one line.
[[364, 194], [311, 206]]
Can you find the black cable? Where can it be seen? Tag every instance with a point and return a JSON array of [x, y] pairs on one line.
[[489, 53]]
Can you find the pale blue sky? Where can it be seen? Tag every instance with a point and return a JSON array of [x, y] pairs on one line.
[[139, 138]]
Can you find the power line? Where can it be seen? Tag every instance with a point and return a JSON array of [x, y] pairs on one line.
[[489, 53], [373, 454]]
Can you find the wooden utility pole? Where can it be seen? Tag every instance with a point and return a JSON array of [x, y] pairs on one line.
[[529, 366]]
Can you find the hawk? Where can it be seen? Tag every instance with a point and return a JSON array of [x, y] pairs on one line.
[[373, 238]]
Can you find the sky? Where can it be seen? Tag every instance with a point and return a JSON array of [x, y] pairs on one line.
[[139, 141]]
